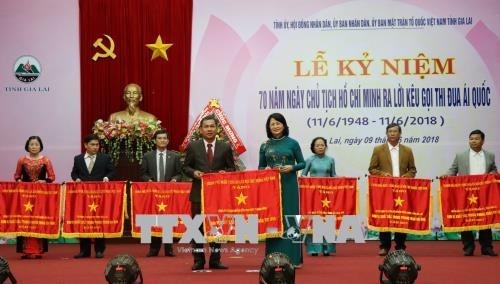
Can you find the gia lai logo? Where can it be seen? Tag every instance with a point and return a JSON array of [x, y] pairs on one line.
[[27, 68]]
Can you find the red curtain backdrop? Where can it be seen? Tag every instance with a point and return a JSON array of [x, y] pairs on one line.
[[132, 24]]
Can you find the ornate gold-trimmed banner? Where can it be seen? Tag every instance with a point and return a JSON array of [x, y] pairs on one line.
[[30, 209], [470, 202], [399, 204], [93, 209], [157, 198], [242, 193], [327, 196]]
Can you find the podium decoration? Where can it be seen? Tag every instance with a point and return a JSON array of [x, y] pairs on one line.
[[132, 139], [225, 131]]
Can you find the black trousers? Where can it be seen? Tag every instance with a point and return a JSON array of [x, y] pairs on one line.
[[85, 245], [198, 250], [485, 239], [385, 240], [155, 245]]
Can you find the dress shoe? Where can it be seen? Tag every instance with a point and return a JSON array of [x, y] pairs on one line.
[[198, 266], [152, 253], [488, 251], [326, 253], [217, 266], [383, 252], [169, 251], [81, 255], [314, 254], [99, 254], [468, 252]]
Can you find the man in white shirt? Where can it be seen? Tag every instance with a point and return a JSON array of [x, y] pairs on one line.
[[92, 166], [475, 161], [396, 160], [206, 155], [160, 165]]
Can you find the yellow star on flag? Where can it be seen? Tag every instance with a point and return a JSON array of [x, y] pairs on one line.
[[326, 202], [159, 48], [242, 199], [28, 206], [472, 199], [93, 206], [161, 207], [399, 201]]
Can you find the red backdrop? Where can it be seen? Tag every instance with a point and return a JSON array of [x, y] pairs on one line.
[[133, 24]]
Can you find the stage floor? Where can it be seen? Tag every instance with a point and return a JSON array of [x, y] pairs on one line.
[[441, 261]]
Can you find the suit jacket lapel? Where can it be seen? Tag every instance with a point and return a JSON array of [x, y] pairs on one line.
[[96, 162], [203, 151], [154, 165], [216, 149], [402, 156], [466, 162], [82, 163], [169, 162], [388, 156], [487, 161], [171, 165]]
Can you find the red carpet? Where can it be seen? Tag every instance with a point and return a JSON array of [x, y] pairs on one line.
[[441, 261]]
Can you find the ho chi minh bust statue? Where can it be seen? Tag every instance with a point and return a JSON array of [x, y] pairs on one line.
[[132, 95]]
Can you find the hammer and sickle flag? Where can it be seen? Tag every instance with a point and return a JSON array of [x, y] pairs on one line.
[[108, 51]]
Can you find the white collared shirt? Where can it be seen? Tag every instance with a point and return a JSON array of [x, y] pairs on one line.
[[394, 150], [477, 162], [87, 159], [206, 147]]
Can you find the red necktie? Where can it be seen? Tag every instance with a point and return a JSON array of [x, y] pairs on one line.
[[210, 154]]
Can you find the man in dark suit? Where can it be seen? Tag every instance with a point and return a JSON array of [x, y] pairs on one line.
[[392, 159], [92, 166], [475, 161], [206, 155], [168, 170]]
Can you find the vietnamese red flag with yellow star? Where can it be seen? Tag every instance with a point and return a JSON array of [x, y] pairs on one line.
[[160, 198], [241, 193], [30, 209], [398, 204], [93, 209], [327, 196], [470, 202]]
